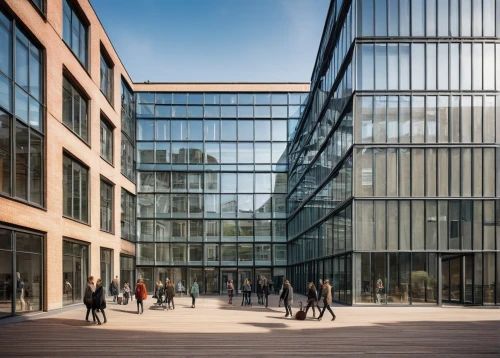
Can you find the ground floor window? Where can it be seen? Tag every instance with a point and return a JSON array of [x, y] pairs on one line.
[[106, 268], [21, 278], [127, 270], [211, 280], [75, 271]]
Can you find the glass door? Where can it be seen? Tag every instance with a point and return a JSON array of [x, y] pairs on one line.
[[244, 274], [212, 281], [227, 275]]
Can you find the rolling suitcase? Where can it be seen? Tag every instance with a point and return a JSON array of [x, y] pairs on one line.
[[300, 315], [119, 300]]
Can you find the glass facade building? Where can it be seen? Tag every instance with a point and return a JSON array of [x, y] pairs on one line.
[[212, 186], [393, 184]]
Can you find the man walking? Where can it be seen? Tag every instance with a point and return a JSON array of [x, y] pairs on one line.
[[327, 300], [287, 297]]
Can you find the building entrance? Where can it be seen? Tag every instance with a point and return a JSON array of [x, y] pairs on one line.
[[457, 278]]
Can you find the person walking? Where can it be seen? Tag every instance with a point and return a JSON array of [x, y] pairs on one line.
[[312, 299], [230, 291], [260, 292], [126, 293], [249, 293], [287, 297], [327, 300], [87, 297], [170, 294], [99, 302], [244, 291], [266, 291], [159, 292], [113, 289], [195, 292], [140, 295]]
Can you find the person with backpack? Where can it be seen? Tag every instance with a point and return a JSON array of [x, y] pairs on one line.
[[87, 297], [99, 302], [195, 292], [140, 295], [327, 300]]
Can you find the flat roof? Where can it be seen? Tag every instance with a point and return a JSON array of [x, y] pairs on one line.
[[222, 87]]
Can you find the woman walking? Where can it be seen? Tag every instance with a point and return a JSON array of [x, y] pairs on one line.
[[260, 292], [140, 295], [113, 289], [170, 294], [230, 289], [327, 300], [99, 302], [245, 290], [195, 292], [312, 299], [87, 298]]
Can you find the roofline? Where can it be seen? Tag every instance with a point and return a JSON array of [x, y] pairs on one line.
[[222, 87], [322, 35], [221, 83]]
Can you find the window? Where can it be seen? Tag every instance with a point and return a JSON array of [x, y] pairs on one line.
[[106, 142], [128, 133], [106, 206], [25, 152], [127, 216], [75, 190], [75, 110], [39, 4], [74, 32], [106, 78]]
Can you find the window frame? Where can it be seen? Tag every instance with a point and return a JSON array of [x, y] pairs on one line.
[[83, 97], [105, 58], [73, 160], [110, 185], [77, 12], [111, 128]]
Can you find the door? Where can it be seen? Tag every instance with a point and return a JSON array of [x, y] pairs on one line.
[[244, 274], [228, 275], [457, 278], [211, 281]]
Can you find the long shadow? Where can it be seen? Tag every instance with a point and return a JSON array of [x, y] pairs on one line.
[[47, 337], [121, 310]]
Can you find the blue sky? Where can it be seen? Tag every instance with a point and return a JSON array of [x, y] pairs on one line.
[[215, 40]]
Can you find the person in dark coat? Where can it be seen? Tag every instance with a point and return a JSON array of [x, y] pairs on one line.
[[312, 299], [87, 297], [266, 288], [327, 300], [170, 294], [260, 292], [287, 298], [99, 302]]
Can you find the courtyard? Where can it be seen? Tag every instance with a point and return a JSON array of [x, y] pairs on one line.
[[215, 328]]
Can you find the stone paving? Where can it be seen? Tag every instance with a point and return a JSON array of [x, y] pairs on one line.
[[215, 328]]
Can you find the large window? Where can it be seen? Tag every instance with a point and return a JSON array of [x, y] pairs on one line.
[[106, 206], [75, 115], [106, 78], [75, 271], [23, 285], [106, 142], [75, 190], [128, 133], [21, 130], [127, 216], [75, 31]]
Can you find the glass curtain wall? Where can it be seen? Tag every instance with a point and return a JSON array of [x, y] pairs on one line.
[[426, 193], [212, 185]]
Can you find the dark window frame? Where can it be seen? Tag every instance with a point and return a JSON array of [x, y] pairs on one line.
[[110, 225], [76, 89], [109, 66], [84, 24], [71, 216], [126, 205], [111, 128]]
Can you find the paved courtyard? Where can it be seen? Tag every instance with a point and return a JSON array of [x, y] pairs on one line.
[[216, 329]]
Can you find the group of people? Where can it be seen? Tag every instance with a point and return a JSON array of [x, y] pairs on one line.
[[94, 297], [95, 300]]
